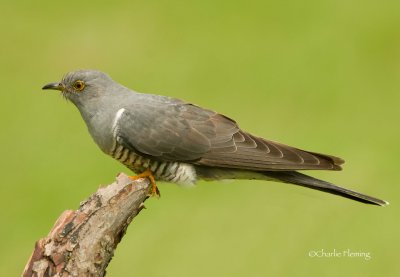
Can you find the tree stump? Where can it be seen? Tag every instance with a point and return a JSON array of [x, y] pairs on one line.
[[82, 242]]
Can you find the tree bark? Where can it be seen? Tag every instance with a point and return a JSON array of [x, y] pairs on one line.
[[82, 242]]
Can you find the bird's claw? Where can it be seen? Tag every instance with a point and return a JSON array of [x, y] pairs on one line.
[[148, 174]]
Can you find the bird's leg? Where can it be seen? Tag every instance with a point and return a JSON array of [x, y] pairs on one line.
[[148, 174]]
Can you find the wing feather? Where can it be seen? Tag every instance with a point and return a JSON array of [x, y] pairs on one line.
[[178, 131]]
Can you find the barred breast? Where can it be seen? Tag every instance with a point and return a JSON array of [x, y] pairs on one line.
[[175, 172]]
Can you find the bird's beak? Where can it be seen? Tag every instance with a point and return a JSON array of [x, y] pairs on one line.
[[56, 86]]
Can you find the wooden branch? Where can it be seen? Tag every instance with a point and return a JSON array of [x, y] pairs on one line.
[[82, 242]]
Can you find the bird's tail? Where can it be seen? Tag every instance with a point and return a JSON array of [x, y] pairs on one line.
[[294, 177]]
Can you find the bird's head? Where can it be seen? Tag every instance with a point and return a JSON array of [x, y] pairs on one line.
[[82, 85]]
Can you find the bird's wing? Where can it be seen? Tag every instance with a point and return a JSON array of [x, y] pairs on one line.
[[185, 132]]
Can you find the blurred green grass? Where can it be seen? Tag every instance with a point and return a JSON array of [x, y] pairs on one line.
[[319, 75]]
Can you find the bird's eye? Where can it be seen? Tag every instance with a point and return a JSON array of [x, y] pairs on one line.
[[79, 85]]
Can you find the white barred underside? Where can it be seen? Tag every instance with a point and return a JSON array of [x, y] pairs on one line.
[[175, 172]]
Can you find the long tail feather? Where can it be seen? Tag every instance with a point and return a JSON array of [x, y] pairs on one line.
[[300, 179]]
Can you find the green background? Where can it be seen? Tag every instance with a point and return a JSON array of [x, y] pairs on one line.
[[319, 75]]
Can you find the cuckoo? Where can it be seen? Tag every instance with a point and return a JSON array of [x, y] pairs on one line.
[[168, 139]]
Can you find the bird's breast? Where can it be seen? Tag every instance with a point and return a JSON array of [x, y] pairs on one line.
[[175, 172]]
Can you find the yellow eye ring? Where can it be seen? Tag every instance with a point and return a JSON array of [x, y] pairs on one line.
[[79, 85]]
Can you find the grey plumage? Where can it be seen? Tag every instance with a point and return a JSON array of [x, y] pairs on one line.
[[181, 142]]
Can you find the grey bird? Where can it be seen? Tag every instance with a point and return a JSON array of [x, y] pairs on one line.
[[170, 140]]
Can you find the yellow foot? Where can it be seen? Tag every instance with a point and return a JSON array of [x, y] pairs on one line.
[[148, 174]]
